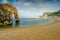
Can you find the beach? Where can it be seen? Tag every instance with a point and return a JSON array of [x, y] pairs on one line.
[[29, 19], [37, 32]]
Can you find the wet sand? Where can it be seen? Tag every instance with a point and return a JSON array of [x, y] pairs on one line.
[[38, 32]]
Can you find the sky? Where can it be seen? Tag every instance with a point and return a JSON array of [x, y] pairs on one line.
[[33, 8]]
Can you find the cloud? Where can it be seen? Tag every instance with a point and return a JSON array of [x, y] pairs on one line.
[[27, 3], [21, 11], [4, 1], [33, 8], [18, 3], [14, 1]]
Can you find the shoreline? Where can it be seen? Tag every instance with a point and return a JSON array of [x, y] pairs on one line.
[[38, 32]]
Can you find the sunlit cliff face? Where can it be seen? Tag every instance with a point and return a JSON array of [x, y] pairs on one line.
[[6, 12]]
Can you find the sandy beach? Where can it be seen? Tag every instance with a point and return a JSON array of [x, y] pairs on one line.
[[38, 32], [29, 19]]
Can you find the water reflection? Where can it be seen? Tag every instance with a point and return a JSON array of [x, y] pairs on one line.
[[15, 24]]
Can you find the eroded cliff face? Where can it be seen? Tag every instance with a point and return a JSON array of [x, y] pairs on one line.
[[6, 12]]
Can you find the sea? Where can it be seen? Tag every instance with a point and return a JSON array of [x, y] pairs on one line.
[[28, 22], [31, 21]]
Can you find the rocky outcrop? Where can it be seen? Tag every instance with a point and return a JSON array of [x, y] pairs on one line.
[[6, 12]]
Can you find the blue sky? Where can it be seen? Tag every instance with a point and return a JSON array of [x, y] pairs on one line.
[[34, 8]]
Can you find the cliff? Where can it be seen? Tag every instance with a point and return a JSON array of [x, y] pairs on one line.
[[52, 14], [6, 12]]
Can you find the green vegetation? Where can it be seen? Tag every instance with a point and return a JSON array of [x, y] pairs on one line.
[[48, 13], [57, 13]]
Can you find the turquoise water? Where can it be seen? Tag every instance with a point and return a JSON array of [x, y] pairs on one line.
[[26, 22], [31, 21]]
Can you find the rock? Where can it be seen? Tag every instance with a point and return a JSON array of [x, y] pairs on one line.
[[6, 22], [6, 12], [1, 23]]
